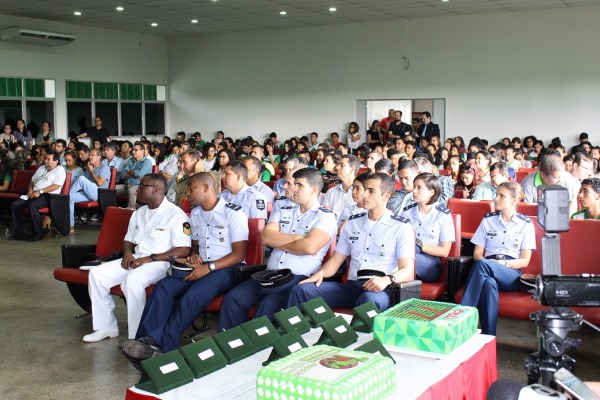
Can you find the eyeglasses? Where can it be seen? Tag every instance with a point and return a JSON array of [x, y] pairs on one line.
[[143, 185]]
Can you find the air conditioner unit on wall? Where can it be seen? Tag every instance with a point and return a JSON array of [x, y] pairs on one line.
[[30, 36]]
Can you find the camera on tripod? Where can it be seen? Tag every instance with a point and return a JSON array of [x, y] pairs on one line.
[[558, 291]]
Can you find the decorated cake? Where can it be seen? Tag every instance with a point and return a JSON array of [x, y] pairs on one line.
[[430, 326], [327, 373]]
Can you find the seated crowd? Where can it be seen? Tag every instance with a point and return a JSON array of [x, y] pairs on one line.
[[382, 197]]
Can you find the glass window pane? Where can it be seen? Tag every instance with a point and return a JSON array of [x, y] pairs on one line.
[[34, 88], [104, 90], [131, 118], [155, 119], [79, 116], [11, 87], [79, 90], [10, 111], [109, 114], [37, 112]]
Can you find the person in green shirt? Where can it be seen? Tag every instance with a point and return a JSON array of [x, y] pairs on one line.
[[589, 198]]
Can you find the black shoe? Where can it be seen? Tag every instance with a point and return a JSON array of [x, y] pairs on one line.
[[141, 349], [39, 236]]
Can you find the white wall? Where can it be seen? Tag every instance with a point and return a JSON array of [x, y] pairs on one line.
[[96, 55], [502, 74]]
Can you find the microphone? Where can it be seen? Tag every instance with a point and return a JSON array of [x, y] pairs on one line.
[[509, 389]]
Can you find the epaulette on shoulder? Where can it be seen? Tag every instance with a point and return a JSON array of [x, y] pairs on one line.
[[362, 214], [413, 205], [443, 209], [401, 219], [327, 210], [233, 206], [280, 198], [491, 214], [524, 217]]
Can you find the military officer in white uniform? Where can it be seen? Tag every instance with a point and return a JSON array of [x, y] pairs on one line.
[[433, 226], [300, 237], [156, 231], [238, 192], [254, 166], [219, 242], [503, 244], [377, 242]]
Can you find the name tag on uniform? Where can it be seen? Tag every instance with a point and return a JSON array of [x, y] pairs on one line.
[[353, 238]]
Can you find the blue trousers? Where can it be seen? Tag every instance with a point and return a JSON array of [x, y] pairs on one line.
[[81, 190], [174, 304], [485, 280], [429, 268], [246, 295], [339, 295]]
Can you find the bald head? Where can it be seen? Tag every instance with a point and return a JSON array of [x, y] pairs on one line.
[[204, 178]]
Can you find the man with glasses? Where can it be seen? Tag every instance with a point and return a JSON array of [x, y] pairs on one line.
[[156, 231], [137, 167], [96, 175]]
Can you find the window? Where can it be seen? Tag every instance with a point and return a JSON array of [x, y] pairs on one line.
[[126, 109]]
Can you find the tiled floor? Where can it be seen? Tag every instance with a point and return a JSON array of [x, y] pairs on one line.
[[43, 355]]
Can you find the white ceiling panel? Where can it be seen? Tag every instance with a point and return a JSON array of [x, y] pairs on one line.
[[174, 16]]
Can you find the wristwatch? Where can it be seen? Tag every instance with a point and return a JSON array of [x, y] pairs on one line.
[[153, 257], [392, 278], [41, 191], [212, 267]]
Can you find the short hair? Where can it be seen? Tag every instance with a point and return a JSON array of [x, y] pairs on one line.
[[61, 141], [426, 113], [313, 177], [335, 134], [399, 139], [362, 152], [593, 182], [54, 154], [500, 166], [408, 164], [314, 133], [387, 183], [550, 164], [509, 147], [82, 146], [181, 133], [111, 145], [538, 142], [239, 168], [411, 143], [392, 152], [362, 178], [247, 142], [386, 165], [204, 177], [432, 182], [423, 164], [194, 154], [398, 111], [516, 140], [160, 180], [486, 154], [352, 161], [255, 162]]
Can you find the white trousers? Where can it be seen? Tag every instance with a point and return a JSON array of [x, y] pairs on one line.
[[133, 283]]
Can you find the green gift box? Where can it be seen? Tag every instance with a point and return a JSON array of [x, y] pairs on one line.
[[364, 315], [235, 344], [261, 332], [317, 311], [166, 372], [285, 345], [204, 357], [423, 325], [375, 347], [324, 372], [337, 332], [291, 320]]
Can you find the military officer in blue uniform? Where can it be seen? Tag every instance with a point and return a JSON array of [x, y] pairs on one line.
[[503, 244], [238, 192], [379, 244], [432, 224], [300, 236], [219, 241], [285, 201]]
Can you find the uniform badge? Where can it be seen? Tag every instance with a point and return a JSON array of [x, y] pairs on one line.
[[187, 229], [221, 240], [219, 227], [260, 204]]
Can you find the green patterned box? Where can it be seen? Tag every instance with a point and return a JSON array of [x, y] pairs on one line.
[[325, 372], [430, 326]]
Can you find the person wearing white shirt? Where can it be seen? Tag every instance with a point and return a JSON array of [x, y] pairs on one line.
[[254, 165], [48, 179], [339, 197]]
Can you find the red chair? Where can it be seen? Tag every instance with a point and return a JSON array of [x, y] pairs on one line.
[[434, 290], [106, 197], [270, 184], [529, 209], [471, 212], [155, 169], [522, 173], [58, 207], [362, 171], [445, 172], [186, 206], [110, 241], [461, 194], [18, 185]]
